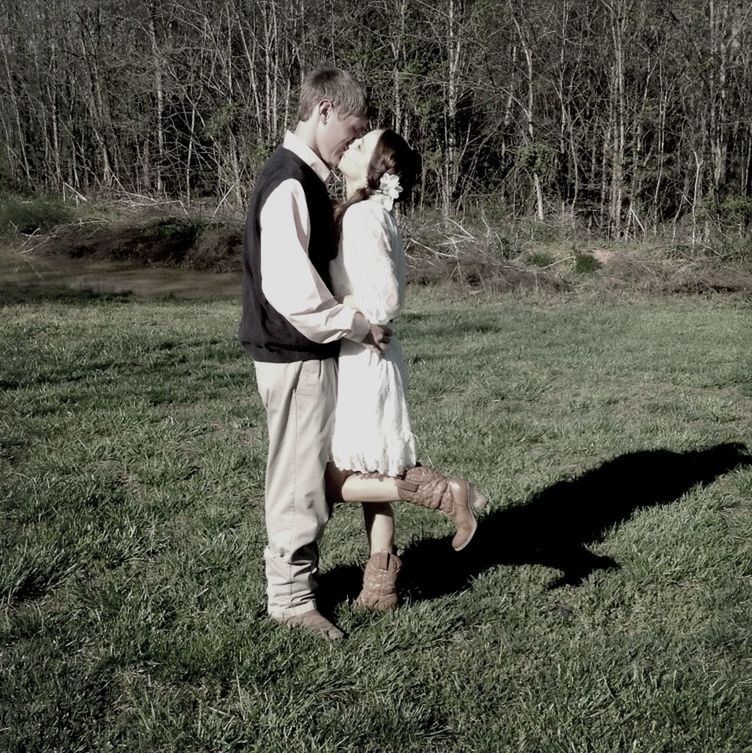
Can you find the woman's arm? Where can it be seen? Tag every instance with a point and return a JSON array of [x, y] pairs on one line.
[[369, 257]]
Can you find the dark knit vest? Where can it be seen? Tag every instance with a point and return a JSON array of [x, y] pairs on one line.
[[264, 332]]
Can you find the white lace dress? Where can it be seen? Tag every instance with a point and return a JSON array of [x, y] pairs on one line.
[[372, 425]]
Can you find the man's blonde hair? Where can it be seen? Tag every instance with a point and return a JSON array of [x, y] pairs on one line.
[[345, 93]]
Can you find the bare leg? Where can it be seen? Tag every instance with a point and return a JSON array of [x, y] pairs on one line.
[[454, 497], [346, 486], [379, 519], [359, 489], [380, 578]]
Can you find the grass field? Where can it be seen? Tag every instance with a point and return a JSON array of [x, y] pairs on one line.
[[606, 604]]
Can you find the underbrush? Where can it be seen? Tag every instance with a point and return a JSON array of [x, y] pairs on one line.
[[147, 232], [476, 253], [27, 216], [479, 250], [191, 242]]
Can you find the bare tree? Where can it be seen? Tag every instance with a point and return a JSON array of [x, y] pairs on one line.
[[624, 113]]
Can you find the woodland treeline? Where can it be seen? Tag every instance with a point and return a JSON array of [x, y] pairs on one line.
[[624, 114]]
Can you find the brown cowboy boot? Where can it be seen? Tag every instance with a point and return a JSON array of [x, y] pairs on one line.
[[380, 582], [454, 497]]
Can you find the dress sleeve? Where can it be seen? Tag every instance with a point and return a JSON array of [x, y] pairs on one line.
[[373, 261]]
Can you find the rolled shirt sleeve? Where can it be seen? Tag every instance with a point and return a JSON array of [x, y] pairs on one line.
[[289, 280]]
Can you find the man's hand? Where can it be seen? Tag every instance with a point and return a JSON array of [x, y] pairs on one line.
[[378, 338]]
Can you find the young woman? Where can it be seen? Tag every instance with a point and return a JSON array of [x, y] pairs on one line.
[[373, 450]]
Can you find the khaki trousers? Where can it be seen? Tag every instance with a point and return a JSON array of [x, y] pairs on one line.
[[299, 399]]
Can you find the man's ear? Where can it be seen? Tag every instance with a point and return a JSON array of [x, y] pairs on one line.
[[325, 110]]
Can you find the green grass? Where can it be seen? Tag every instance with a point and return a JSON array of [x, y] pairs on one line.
[[605, 605]]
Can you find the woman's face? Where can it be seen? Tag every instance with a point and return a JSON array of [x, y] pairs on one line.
[[355, 161]]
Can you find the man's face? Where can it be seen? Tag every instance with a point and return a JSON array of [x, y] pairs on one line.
[[356, 160], [336, 133]]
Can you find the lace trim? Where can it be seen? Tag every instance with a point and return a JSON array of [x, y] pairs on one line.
[[384, 466]]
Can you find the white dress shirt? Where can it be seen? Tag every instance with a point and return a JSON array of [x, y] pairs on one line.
[[289, 280]]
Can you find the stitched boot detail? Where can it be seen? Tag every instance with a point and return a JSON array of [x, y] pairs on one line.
[[380, 582], [427, 487]]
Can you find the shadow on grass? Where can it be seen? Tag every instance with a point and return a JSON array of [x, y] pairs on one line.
[[554, 527]]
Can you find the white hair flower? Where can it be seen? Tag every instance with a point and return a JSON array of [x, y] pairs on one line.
[[389, 190]]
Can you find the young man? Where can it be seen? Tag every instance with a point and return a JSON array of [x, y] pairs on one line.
[[291, 325]]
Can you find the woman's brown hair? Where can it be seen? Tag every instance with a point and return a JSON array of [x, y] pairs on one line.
[[390, 155]]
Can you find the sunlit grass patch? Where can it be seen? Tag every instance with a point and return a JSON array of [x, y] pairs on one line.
[[605, 604]]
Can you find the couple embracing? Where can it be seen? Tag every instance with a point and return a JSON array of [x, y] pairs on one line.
[[320, 289]]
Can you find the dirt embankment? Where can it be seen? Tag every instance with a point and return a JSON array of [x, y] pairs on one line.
[[435, 255], [161, 241]]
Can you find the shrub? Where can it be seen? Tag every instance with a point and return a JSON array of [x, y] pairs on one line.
[[539, 259], [737, 209], [538, 158], [218, 248], [505, 248], [175, 230], [32, 215], [6, 175], [732, 211], [586, 263], [679, 251]]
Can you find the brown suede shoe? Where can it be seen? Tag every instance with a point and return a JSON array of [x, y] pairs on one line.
[[380, 582], [314, 622]]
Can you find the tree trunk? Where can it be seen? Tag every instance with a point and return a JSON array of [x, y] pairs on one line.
[[17, 116], [529, 116], [617, 19], [159, 91]]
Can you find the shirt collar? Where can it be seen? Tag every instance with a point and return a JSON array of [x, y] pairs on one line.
[[298, 147]]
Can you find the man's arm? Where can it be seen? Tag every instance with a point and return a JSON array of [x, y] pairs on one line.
[[291, 283], [379, 335]]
